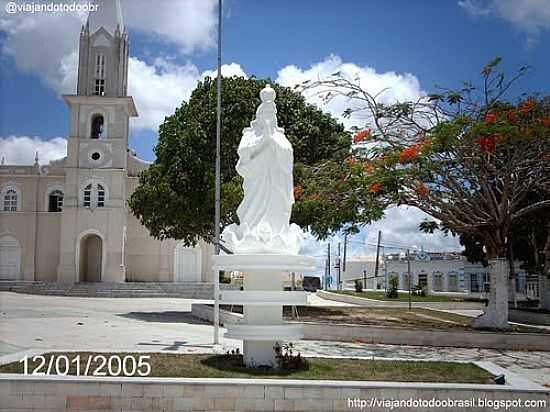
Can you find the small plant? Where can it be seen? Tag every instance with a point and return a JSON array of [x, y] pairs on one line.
[[286, 360], [392, 291], [358, 286]]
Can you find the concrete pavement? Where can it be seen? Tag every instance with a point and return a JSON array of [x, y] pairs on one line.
[[165, 325]]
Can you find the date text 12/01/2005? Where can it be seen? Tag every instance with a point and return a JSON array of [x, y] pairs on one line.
[[92, 365]]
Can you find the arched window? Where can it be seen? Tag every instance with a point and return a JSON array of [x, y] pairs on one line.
[[55, 201], [100, 75], [94, 194], [100, 196], [88, 195], [10, 200], [97, 127]]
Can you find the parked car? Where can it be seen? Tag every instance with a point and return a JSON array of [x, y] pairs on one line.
[[311, 283]]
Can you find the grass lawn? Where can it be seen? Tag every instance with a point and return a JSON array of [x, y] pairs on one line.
[[419, 318], [231, 366], [403, 296]]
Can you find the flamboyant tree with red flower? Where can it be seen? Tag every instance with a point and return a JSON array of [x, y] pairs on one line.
[[468, 158]]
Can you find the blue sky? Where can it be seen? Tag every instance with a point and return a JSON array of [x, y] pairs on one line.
[[409, 46]]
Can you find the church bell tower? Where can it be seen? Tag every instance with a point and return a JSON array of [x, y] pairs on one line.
[[96, 163]]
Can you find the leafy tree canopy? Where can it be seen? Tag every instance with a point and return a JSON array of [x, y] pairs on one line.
[[469, 158]]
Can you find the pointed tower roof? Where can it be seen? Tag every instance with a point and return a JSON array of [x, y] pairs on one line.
[[108, 16]]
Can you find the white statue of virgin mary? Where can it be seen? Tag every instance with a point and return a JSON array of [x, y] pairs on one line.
[[265, 163]]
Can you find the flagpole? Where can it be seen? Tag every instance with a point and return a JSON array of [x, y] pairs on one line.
[[218, 179]]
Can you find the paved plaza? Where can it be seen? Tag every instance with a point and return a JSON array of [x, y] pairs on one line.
[[32, 322]]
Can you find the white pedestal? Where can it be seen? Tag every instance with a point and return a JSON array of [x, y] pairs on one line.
[[263, 300]]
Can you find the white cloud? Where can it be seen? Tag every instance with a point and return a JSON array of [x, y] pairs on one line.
[[158, 89], [20, 150], [529, 16], [399, 87], [42, 44], [189, 24], [228, 70], [474, 8]]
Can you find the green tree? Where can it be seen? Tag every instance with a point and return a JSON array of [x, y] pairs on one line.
[[175, 196]]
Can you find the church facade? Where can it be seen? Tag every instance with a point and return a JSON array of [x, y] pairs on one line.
[[68, 221]]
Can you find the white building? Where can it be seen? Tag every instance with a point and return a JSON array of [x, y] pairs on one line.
[[68, 221], [437, 272]]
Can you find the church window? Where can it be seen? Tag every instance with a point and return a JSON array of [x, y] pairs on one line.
[[100, 196], [10, 200], [97, 127], [100, 66], [88, 195], [100, 75], [100, 87], [94, 195], [55, 201]]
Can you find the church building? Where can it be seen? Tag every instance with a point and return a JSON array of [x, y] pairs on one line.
[[68, 221]]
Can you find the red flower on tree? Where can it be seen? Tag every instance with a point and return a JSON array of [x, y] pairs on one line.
[[368, 166], [362, 135], [298, 191], [499, 139], [409, 154], [487, 144], [421, 190], [491, 118], [512, 116], [351, 161], [527, 106], [375, 187]]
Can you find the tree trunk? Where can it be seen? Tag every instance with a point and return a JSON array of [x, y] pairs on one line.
[[496, 313], [544, 292], [544, 277], [512, 293]]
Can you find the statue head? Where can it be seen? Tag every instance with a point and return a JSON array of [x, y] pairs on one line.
[[266, 114], [268, 95]]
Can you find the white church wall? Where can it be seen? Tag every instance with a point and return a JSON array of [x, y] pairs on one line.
[[47, 246]]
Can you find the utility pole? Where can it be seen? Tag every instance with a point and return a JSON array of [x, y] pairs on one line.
[[377, 257], [293, 288], [385, 268], [409, 277], [329, 279], [218, 178], [345, 251], [339, 286]]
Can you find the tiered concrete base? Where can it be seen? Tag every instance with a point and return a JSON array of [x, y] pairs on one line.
[[263, 299]]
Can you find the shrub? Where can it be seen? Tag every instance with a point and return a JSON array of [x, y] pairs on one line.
[[392, 291], [358, 286], [286, 360]]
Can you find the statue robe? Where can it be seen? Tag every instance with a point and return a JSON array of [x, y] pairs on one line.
[[265, 163]]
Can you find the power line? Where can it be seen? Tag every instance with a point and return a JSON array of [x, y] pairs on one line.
[[392, 246]]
